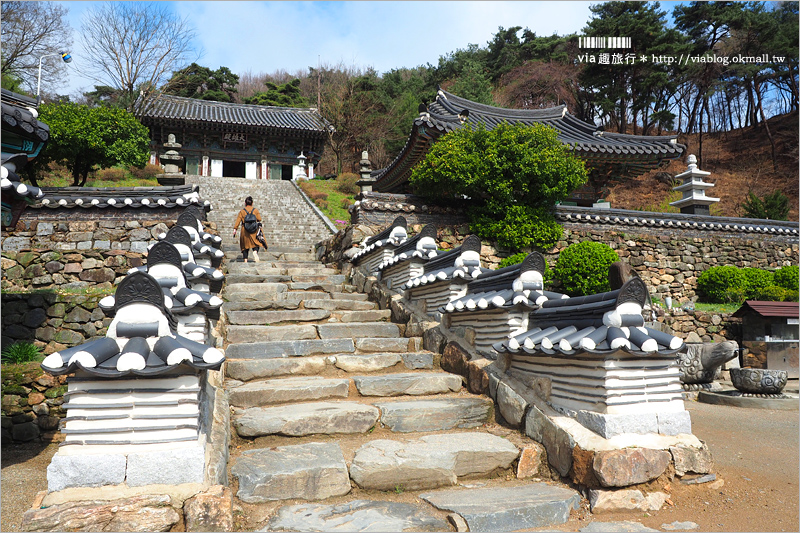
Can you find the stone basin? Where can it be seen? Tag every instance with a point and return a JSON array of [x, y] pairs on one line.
[[759, 380]]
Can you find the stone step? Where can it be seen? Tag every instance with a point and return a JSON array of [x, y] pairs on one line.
[[277, 317], [437, 414], [339, 304], [237, 335], [297, 420], [358, 515], [408, 384], [358, 329], [248, 292], [380, 361], [295, 348], [293, 389], [235, 279], [311, 471], [430, 462], [349, 296], [375, 315], [315, 286], [251, 369], [522, 507], [261, 305]]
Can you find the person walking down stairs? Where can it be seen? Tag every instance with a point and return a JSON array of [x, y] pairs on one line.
[[250, 220]]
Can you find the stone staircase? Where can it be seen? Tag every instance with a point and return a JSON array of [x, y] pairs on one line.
[[341, 421], [288, 220]]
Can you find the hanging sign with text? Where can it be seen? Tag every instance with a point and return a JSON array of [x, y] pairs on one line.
[[234, 137]]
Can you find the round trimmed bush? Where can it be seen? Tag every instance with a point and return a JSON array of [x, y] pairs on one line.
[[722, 284], [582, 268], [771, 294], [787, 277], [755, 281]]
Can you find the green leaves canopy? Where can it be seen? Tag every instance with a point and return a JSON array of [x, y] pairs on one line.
[[83, 137], [286, 95], [196, 81], [513, 174]]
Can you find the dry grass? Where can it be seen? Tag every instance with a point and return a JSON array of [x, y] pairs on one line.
[[739, 161]]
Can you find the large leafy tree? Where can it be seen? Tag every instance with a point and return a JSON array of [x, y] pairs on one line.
[[31, 30], [512, 175], [196, 81], [84, 137]]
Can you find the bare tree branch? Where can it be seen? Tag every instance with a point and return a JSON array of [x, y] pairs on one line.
[[31, 30], [135, 47]]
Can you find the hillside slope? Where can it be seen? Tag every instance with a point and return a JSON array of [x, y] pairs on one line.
[[739, 161]]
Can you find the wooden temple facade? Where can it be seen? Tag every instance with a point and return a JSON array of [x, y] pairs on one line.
[[237, 140], [608, 156]]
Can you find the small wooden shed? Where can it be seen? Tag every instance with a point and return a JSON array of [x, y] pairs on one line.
[[771, 335]]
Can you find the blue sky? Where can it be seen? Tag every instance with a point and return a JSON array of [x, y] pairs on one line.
[[268, 36]]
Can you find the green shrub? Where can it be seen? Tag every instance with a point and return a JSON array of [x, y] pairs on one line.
[[148, 172], [518, 226], [791, 295], [582, 268], [346, 203], [756, 280], [722, 284], [346, 183], [771, 294], [787, 277], [20, 352], [110, 174]]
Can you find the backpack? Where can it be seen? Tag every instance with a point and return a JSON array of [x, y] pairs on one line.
[[250, 222]]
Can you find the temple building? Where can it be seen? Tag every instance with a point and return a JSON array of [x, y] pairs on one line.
[[237, 140], [608, 156]]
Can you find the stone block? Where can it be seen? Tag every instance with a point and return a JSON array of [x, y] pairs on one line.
[[138, 513], [435, 415], [78, 314], [617, 527], [510, 404], [34, 318], [358, 515], [414, 384], [25, 432], [676, 423], [688, 459], [358, 329], [246, 370], [454, 359], [530, 461], [168, 467], [523, 507], [477, 377], [612, 501], [102, 245], [211, 510], [65, 471], [311, 471], [418, 360], [295, 420], [139, 247], [371, 345], [629, 466], [367, 362], [610, 425], [557, 441], [277, 349], [292, 389], [433, 339]]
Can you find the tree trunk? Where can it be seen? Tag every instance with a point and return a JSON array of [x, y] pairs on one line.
[[766, 126]]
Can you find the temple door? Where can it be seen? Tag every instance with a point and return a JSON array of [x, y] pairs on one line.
[[216, 168], [250, 170]]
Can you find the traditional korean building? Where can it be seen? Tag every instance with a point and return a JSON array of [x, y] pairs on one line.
[[238, 140], [607, 155]]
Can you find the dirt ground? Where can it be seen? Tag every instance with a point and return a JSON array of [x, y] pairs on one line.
[[755, 453]]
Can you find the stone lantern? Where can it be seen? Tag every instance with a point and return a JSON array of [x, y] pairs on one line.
[[366, 180], [694, 201]]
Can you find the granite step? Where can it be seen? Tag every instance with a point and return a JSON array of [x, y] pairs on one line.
[[374, 315], [352, 330], [357, 516], [292, 389], [302, 419], [435, 414], [277, 317], [248, 292], [339, 304], [300, 348], [431, 461], [527, 506], [251, 334], [376, 362], [408, 384]]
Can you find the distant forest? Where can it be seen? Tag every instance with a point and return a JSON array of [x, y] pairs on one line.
[[715, 88]]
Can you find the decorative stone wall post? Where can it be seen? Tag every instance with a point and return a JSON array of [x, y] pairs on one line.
[[366, 180], [171, 159], [694, 201]]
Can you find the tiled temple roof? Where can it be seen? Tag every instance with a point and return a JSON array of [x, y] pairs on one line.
[[395, 234], [599, 324], [520, 284], [119, 197], [167, 108], [452, 264], [632, 154], [422, 246], [12, 183], [140, 340], [19, 116]]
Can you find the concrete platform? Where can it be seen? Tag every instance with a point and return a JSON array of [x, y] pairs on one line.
[[733, 398]]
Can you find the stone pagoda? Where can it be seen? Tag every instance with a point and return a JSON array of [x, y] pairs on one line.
[[694, 201]]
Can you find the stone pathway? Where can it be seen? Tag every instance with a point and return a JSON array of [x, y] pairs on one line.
[[340, 422]]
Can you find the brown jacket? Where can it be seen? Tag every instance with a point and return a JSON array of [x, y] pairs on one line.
[[246, 240]]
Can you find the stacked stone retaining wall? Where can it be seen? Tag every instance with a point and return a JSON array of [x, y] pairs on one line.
[[31, 404]]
